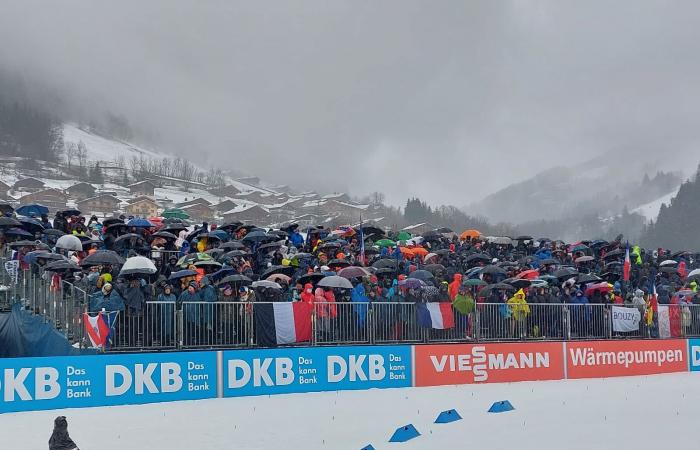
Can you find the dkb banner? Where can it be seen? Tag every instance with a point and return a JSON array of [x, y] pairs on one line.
[[28, 384], [282, 371]]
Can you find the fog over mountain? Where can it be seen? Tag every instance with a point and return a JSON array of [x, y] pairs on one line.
[[449, 101]]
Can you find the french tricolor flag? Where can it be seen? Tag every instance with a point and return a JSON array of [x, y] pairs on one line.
[[436, 315], [282, 323]]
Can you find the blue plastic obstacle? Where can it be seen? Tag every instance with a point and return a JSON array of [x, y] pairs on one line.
[[448, 416], [404, 433], [501, 406], [369, 447]]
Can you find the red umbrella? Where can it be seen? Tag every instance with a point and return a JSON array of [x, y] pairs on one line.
[[603, 288], [528, 274]]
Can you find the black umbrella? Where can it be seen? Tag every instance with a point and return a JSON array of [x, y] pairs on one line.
[[7, 222], [215, 252], [46, 257], [312, 278], [421, 275], [367, 230], [116, 228], [518, 283], [668, 269], [385, 271], [31, 225], [329, 245], [232, 245], [53, 232], [24, 243], [193, 234], [235, 254], [549, 261], [208, 263], [235, 279], [333, 263], [493, 270], [269, 246], [258, 236], [614, 253], [182, 274], [164, 235], [62, 265], [566, 272], [126, 238], [495, 287], [384, 263], [102, 258], [477, 257], [289, 227], [6, 208], [285, 270], [173, 228], [588, 278], [18, 232], [230, 226], [524, 238], [434, 268], [111, 221]]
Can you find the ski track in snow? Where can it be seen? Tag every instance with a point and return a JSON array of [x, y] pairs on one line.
[[650, 412]]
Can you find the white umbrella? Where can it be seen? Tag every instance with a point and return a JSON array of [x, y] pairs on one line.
[[694, 273], [428, 256], [138, 264], [265, 284], [335, 281], [69, 242], [668, 262]]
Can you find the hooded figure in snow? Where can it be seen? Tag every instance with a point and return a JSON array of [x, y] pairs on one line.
[[60, 440]]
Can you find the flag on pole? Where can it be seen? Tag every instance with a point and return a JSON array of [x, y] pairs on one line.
[[362, 243], [627, 268]]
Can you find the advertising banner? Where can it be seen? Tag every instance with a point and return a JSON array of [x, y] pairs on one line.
[[283, 371], [625, 319], [602, 359], [694, 355], [28, 384], [437, 365]]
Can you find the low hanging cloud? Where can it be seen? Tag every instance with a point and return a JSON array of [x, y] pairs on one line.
[[444, 100]]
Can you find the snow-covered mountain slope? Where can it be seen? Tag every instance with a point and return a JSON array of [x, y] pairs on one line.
[[650, 210]]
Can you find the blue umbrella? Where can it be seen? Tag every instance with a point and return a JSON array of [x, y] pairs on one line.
[[32, 209], [226, 271], [31, 225], [139, 222], [182, 274], [221, 234]]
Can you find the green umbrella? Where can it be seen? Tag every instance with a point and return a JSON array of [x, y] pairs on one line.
[[463, 304], [403, 236], [385, 243], [474, 282], [175, 213], [193, 258]]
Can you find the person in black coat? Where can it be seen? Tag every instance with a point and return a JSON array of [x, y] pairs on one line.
[[60, 439]]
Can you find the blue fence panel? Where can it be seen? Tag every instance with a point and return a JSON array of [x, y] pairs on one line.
[[28, 384], [316, 369]]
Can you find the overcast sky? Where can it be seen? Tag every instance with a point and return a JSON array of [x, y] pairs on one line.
[[446, 100]]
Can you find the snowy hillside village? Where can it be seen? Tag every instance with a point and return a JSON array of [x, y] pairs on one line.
[[105, 177]]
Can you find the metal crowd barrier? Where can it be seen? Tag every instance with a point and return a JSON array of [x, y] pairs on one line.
[[219, 324]]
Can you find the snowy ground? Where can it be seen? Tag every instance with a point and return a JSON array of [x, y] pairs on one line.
[[650, 211], [639, 413]]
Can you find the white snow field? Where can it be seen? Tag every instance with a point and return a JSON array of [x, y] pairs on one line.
[[646, 412]]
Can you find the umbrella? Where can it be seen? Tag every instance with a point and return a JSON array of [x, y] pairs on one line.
[[312, 278], [257, 236], [62, 265], [385, 271], [287, 227], [116, 228], [694, 274], [463, 305], [235, 254], [403, 236], [335, 282], [235, 279], [528, 274], [566, 272], [434, 268], [6, 208], [384, 263], [524, 238], [329, 245], [603, 287], [173, 228], [353, 272], [31, 225], [138, 265], [412, 283], [46, 257], [182, 274], [584, 259], [493, 270], [279, 278], [385, 243], [223, 272], [548, 278], [269, 246], [549, 261], [502, 241], [102, 258], [193, 234], [32, 209], [477, 257], [334, 263], [215, 252], [53, 232], [175, 213], [69, 212], [474, 282], [232, 245], [221, 234], [421, 275], [69, 242], [287, 270], [668, 269], [470, 234], [266, 284], [614, 253], [164, 235], [369, 229], [125, 239], [24, 243], [139, 222], [518, 283], [208, 263], [668, 262], [9, 222], [111, 221], [495, 287], [588, 278]]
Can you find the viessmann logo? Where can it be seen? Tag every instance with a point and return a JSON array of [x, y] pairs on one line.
[[480, 362]]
